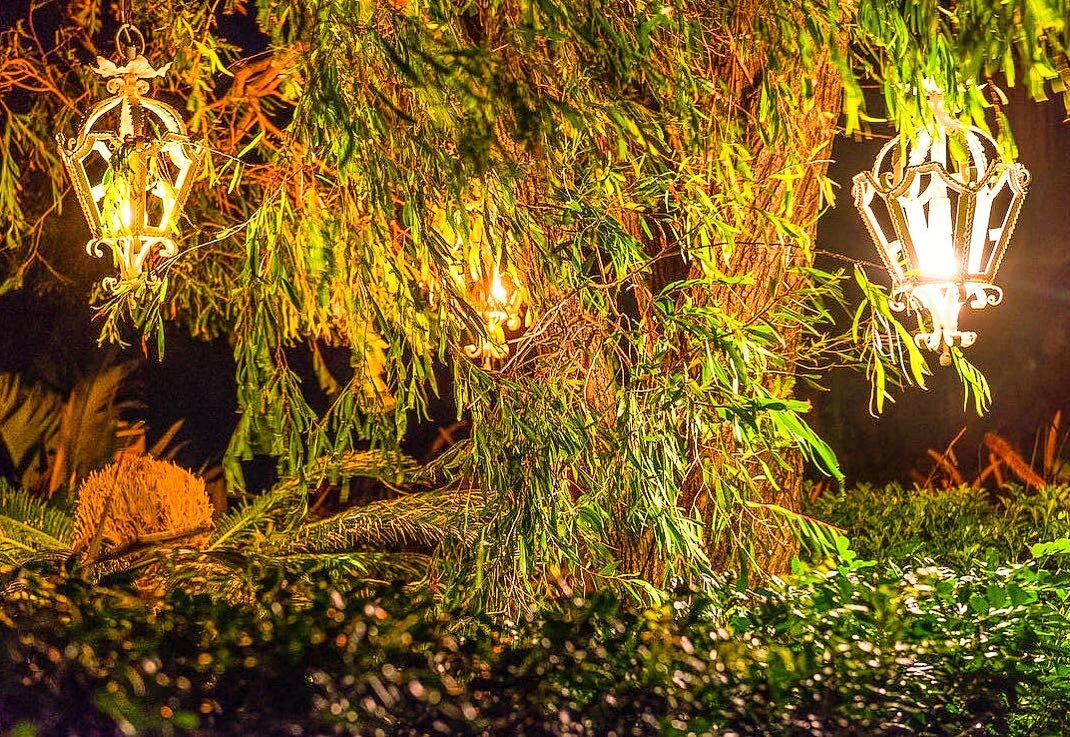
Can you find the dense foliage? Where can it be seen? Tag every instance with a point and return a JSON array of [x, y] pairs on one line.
[[648, 177], [835, 649], [950, 527]]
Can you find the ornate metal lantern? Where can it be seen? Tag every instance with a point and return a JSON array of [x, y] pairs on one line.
[[952, 202], [132, 164], [501, 305]]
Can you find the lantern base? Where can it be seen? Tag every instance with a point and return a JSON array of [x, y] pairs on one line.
[[943, 301], [494, 346], [944, 341], [131, 255]]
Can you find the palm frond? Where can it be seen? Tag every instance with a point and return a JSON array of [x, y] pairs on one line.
[[132, 440], [256, 519], [389, 467], [87, 427], [165, 447], [412, 521], [31, 527], [29, 420], [371, 566]]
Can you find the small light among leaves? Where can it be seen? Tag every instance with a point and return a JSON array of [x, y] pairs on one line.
[[952, 202], [501, 305], [131, 164]]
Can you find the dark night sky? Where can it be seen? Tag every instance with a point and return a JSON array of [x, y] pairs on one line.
[[1023, 346]]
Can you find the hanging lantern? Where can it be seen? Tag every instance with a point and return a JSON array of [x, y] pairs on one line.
[[131, 164], [501, 305], [952, 202]]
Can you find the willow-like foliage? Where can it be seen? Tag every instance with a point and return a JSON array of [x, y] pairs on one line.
[[378, 159]]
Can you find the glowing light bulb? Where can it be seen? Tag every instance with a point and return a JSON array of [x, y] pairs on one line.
[[122, 218], [936, 254], [498, 292]]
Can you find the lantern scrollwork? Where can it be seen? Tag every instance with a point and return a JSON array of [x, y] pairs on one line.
[[500, 302]]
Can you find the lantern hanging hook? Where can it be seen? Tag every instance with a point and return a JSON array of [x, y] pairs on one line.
[[130, 40]]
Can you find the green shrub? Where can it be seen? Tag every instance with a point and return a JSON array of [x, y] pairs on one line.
[[951, 527], [851, 651]]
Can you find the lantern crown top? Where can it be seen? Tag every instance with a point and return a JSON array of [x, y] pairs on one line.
[[964, 158], [139, 67]]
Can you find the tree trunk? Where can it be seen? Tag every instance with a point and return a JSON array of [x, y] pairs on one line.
[[763, 255], [569, 344], [774, 546]]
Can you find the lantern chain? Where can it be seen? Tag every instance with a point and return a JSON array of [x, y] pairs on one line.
[[128, 39]]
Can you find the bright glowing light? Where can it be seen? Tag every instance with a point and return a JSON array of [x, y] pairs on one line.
[[147, 159], [503, 311], [936, 235], [498, 292]]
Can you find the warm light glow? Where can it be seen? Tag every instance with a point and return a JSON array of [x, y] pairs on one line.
[[127, 216], [502, 308], [936, 235], [498, 292], [928, 214], [132, 165]]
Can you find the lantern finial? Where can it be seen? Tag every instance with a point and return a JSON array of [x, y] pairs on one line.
[[132, 163]]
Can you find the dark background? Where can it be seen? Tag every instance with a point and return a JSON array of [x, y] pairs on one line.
[[1022, 347]]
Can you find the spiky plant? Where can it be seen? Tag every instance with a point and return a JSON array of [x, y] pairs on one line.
[[136, 499]]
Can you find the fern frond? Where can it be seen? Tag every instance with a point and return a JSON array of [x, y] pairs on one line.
[[413, 521], [256, 518], [31, 527], [238, 576]]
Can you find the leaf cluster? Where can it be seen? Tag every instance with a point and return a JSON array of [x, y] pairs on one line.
[[950, 527], [849, 650], [650, 173]]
